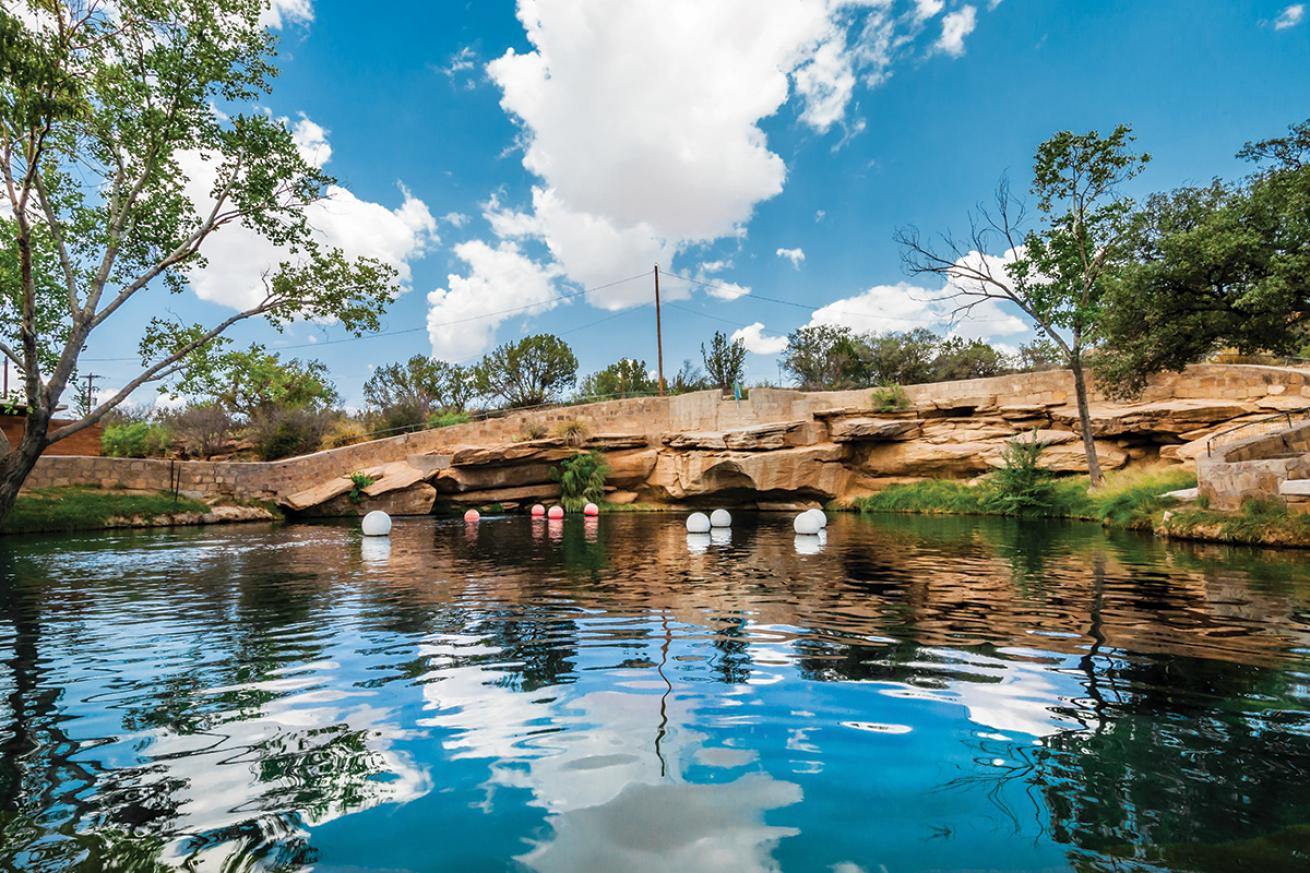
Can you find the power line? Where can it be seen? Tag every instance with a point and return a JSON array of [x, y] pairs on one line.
[[565, 296], [736, 292]]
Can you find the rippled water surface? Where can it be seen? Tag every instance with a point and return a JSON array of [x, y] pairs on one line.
[[914, 694]]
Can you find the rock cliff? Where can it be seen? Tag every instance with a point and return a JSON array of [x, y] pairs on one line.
[[835, 452]]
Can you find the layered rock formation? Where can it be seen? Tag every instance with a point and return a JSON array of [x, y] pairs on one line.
[[838, 452]]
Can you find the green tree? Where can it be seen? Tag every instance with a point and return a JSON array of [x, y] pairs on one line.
[[529, 372], [824, 357], [900, 357], [1215, 266], [251, 381], [688, 379], [97, 111], [1059, 272], [724, 360], [624, 378], [408, 393], [958, 358]]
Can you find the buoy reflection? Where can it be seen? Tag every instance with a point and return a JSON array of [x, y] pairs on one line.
[[698, 543], [375, 550]]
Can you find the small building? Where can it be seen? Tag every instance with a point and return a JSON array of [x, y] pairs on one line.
[[84, 442]]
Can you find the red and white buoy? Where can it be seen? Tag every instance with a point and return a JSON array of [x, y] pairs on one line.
[[555, 512], [472, 515], [538, 510], [591, 509]]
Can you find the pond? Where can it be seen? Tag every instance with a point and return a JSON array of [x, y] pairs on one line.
[[610, 695]]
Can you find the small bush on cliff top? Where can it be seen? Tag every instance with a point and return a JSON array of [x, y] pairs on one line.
[[889, 398], [448, 418], [574, 431]]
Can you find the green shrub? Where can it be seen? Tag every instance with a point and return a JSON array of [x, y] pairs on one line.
[[358, 482], [448, 418], [201, 430], [889, 398], [581, 480], [284, 433], [344, 432], [137, 439], [1022, 486]]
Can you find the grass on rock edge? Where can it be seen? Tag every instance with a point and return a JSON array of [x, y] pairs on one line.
[[63, 509], [1260, 522], [1129, 498]]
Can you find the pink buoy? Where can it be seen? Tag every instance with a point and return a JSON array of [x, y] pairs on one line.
[[555, 512], [591, 509], [472, 515], [538, 510]]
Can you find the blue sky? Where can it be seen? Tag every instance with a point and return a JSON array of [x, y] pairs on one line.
[[502, 154]]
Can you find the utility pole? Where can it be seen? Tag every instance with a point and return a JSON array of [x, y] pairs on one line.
[[659, 333], [90, 397]]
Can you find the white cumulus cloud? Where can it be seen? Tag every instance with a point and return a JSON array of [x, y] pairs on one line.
[[238, 258], [757, 342], [281, 13], [955, 27], [664, 152], [903, 306], [796, 256], [502, 283], [1290, 16]]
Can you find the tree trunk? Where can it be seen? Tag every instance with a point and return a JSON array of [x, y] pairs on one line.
[[17, 463], [1085, 420]]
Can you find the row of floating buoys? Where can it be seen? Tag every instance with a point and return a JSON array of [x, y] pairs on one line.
[[557, 511], [699, 522]]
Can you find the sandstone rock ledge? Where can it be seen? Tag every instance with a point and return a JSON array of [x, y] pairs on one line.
[[215, 515], [833, 454]]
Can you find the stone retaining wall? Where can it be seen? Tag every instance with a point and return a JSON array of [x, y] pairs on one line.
[[1254, 469], [1266, 388]]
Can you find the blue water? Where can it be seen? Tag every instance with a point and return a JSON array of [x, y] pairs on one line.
[[912, 694]]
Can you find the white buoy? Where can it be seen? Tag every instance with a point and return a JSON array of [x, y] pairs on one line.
[[555, 513], [376, 524], [819, 516], [720, 518], [538, 511], [698, 522], [806, 524], [591, 509]]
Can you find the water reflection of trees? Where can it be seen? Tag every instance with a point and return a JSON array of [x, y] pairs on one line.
[[1175, 649], [217, 638]]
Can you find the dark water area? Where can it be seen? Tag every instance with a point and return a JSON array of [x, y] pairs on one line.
[[912, 694]]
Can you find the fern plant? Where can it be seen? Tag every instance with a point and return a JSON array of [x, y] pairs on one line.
[[581, 480]]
